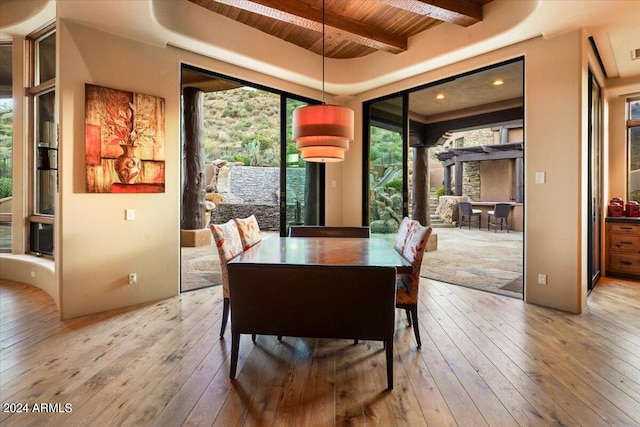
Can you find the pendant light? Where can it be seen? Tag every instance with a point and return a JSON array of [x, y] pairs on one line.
[[323, 132]]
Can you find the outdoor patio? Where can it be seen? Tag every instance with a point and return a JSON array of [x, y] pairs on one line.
[[480, 259]]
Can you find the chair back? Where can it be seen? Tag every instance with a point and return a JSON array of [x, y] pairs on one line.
[[229, 246], [502, 210], [415, 247], [249, 231], [401, 237], [322, 231], [465, 208], [313, 301]]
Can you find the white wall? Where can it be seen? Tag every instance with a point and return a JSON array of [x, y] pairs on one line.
[[97, 248]]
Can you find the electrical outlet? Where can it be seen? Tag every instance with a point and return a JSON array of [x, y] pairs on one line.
[[133, 278], [541, 177], [33, 274], [542, 279]]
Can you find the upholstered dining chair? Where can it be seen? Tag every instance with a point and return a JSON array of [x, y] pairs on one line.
[[499, 217], [407, 285], [401, 236], [249, 231], [229, 246], [466, 211]]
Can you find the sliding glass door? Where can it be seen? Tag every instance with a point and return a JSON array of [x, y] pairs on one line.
[[302, 202], [386, 185], [247, 164]]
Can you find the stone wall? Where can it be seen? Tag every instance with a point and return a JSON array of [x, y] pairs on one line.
[[471, 184], [257, 191], [268, 216]]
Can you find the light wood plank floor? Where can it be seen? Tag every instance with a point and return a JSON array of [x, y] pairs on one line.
[[486, 360]]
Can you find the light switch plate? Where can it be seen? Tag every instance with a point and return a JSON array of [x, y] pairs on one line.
[[130, 214]]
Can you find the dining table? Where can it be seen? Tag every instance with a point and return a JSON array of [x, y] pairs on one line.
[[316, 287], [327, 251]]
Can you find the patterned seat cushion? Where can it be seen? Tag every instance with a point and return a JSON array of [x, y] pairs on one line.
[[416, 243], [229, 245], [249, 231]]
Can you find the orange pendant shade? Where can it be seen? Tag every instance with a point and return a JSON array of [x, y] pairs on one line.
[[322, 154], [323, 132]]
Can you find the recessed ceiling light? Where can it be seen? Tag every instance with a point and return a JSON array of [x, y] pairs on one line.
[[440, 96], [498, 82]]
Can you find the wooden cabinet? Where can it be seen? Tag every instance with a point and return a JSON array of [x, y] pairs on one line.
[[623, 247]]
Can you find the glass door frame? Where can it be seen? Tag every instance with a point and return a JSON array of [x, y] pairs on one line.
[[366, 145], [594, 174], [283, 137]]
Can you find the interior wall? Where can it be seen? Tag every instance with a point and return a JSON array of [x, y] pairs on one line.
[[618, 160], [553, 144], [97, 248]]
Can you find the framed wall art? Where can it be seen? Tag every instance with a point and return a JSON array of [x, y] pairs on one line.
[[124, 134]]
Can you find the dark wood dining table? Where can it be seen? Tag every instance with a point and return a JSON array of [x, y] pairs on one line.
[[373, 252], [319, 287]]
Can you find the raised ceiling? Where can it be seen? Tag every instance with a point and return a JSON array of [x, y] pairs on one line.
[[241, 36], [352, 28]]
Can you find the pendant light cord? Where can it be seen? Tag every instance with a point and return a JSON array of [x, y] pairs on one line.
[[323, 10]]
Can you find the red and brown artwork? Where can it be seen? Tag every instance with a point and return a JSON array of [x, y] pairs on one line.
[[124, 134]]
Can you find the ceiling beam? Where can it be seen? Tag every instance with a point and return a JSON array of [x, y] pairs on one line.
[[459, 12], [309, 17]]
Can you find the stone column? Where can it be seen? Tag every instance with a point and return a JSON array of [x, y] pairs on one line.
[[420, 211], [458, 172], [194, 185], [447, 180], [519, 180]]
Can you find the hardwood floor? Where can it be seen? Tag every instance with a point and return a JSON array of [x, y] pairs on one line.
[[485, 360]]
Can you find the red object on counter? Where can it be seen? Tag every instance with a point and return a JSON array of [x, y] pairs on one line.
[[633, 209], [616, 210]]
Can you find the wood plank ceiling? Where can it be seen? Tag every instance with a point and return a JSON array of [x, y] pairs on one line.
[[353, 28]]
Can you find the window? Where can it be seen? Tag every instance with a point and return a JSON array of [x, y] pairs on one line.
[[633, 140], [6, 147], [44, 143]]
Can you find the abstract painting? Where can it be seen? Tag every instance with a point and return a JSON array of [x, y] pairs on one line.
[[124, 134]]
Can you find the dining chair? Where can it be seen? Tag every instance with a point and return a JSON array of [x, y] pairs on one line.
[[499, 217], [229, 246], [408, 285], [466, 211], [328, 231], [249, 231], [401, 236]]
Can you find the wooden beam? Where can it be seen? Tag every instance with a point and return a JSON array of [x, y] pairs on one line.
[[459, 12], [309, 17], [433, 131]]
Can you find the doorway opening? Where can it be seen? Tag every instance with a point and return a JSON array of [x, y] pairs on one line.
[[460, 139], [239, 160]]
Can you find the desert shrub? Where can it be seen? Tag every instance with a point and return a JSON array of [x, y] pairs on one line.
[[5, 187], [396, 183], [440, 191]]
